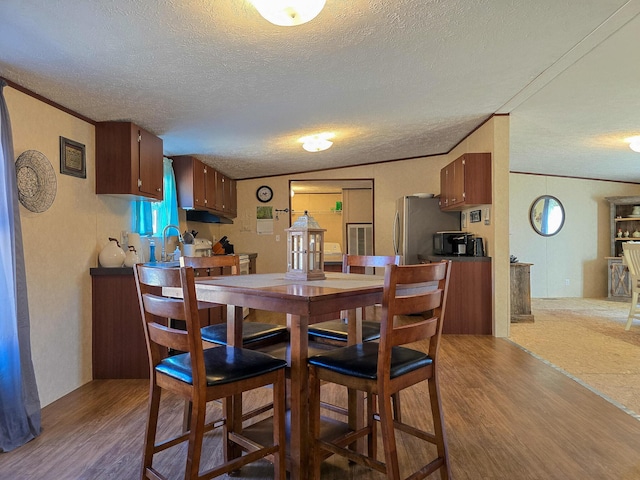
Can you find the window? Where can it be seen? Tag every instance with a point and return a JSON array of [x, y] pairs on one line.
[[149, 218]]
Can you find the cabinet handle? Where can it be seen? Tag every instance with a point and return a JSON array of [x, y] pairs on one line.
[[158, 189]]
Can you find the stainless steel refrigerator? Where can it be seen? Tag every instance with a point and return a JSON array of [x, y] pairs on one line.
[[416, 220]]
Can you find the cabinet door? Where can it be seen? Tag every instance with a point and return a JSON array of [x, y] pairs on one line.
[[211, 187], [457, 182], [230, 197], [445, 186], [150, 164], [199, 184], [219, 197]]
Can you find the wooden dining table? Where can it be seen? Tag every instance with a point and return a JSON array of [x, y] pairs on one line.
[[304, 303]]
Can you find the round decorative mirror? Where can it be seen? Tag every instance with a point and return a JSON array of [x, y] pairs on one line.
[[547, 215]]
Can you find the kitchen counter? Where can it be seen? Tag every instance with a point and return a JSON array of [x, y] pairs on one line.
[[455, 258], [129, 270]]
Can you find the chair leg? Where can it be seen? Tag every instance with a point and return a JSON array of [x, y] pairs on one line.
[[388, 436], [438, 427], [152, 424], [196, 434], [372, 440], [314, 424], [279, 437], [632, 310], [396, 407]]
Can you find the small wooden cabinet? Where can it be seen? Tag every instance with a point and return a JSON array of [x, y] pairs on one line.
[[466, 182], [201, 187], [128, 161], [521, 292], [618, 280]]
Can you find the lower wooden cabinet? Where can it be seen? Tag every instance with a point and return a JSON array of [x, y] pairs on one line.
[[469, 305], [119, 349]]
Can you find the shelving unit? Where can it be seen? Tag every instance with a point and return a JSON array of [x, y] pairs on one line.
[[618, 281]]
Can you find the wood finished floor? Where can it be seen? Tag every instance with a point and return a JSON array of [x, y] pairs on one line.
[[508, 416]]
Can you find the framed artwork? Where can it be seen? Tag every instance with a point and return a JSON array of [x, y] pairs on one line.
[[73, 159]]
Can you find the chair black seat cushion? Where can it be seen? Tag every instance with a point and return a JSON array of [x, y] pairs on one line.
[[222, 365], [337, 330], [251, 332], [361, 360]]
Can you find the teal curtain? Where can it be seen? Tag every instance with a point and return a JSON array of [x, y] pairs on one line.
[[149, 218]]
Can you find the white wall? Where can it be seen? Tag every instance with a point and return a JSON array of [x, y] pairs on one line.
[[577, 253]]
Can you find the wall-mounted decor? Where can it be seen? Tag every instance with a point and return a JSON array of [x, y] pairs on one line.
[[72, 158], [36, 181], [474, 216], [546, 215]]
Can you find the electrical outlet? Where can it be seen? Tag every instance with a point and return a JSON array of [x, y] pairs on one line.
[[567, 282], [277, 238]]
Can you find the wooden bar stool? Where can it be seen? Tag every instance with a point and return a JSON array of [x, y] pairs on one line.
[[254, 334], [201, 375], [382, 369]]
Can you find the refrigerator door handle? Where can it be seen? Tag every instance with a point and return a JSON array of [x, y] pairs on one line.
[[396, 230]]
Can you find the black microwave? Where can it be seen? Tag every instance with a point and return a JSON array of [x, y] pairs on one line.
[[453, 243]]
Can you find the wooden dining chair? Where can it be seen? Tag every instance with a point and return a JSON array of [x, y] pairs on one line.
[[335, 332], [384, 368], [254, 334], [199, 376], [631, 251]]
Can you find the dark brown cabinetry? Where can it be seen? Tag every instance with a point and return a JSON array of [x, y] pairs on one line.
[[466, 182], [119, 349], [469, 304], [201, 187], [196, 183], [128, 161]]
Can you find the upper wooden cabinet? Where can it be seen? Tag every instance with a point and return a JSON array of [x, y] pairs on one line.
[[128, 161], [201, 187], [226, 195], [195, 182], [466, 182]]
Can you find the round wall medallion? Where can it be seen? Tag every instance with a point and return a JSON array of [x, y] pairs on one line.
[[36, 181]]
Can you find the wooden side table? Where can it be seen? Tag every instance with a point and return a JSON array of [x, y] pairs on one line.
[[521, 293]]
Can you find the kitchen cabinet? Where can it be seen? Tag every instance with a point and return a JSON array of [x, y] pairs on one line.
[[119, 348], [195, 182], [128, 161], [201, 187], [226, 195], [469, 303], [466, 182]]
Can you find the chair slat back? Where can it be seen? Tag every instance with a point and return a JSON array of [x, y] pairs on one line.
[[215, 261], [632, 257], [349, 261], [156, 309], [410, 290]]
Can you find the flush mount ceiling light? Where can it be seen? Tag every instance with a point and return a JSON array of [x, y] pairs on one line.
[[317, 142], [634, 143], [288, 13]]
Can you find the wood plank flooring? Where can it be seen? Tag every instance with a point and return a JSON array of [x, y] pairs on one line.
[[508, 416]]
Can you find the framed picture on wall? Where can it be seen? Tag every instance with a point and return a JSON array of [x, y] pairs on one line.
[[73, 159]]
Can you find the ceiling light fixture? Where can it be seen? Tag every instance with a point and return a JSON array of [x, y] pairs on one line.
[[317, 142], [288, 13], [634, 143]]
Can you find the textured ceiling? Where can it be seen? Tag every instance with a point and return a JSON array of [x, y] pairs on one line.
[[393, 79]]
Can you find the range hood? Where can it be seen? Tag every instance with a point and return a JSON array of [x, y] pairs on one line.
[[206, 217]]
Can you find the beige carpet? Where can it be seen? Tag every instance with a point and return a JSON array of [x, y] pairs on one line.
[[586, 339]]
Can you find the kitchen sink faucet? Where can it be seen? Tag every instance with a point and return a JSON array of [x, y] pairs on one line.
[[164, 240]]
